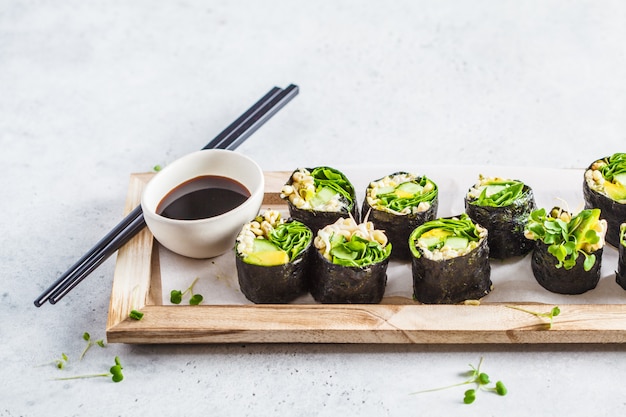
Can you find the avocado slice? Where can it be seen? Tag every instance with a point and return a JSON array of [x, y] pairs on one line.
[[617, 191], [433, 237], [265, 253]]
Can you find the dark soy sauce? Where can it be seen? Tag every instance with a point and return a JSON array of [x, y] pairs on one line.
[[203, 197]]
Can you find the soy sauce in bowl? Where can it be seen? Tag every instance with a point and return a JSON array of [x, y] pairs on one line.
[[203, 197]]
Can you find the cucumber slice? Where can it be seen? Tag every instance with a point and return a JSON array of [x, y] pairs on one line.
[[621, 178], [385, 190], [410, 188], [323, 196], [429, 242], [456, 242]]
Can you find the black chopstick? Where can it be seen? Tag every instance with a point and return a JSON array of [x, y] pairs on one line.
[[252, 119], [229, 138]]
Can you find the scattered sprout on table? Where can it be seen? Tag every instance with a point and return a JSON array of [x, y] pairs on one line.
[[550, 315], [115, 373], [481, 382], [90, 343]]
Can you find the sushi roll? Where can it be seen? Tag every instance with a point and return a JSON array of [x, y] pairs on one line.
[[568, 256], [272, 257], [319, 196], [502, 206], [397, 204], [350, 263], [604, 187], [450, 262], [620, 275]]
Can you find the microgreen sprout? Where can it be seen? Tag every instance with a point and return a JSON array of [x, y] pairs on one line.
[[481, 381], [115, 373], [550, 315], [59, 363], [568, 236], [176, 296], [90, 343], [135, 315]]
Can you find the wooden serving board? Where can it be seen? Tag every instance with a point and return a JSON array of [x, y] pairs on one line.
[[137, 285]]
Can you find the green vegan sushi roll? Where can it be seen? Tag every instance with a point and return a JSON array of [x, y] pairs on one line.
[[319, 196], [272, 257], [604, 187], [620, 275], [397, 204], [450, 261], [502, 206], [350, 263], [568, 256]]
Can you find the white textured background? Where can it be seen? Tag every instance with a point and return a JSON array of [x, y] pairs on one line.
[[91, 91]]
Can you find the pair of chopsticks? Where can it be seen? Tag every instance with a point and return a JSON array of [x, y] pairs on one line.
[[230, 138]]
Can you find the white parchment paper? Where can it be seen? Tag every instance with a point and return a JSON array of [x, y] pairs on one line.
[[513, 280]]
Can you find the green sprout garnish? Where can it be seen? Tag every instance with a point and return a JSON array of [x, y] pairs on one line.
[[90, 343], [176, 296], [568, 236], [157, 168], [555, 311], [480, 379], [135, 315], [115, 373]]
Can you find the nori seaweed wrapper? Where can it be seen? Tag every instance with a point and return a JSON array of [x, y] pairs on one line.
[[620, 274], [398, 227], [560, 280], [613, 212], [337, 284], [454, 280], [277, 284], [316, 219], [505, 225]]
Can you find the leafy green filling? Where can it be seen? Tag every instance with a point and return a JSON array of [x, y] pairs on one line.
[[408, 194], [443, 230], [500, 193], [622, 234], [326, 177], [357, 251], [292, 237], [567, 240], [615, 165]]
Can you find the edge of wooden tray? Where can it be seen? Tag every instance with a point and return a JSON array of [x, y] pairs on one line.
[[137, 285]]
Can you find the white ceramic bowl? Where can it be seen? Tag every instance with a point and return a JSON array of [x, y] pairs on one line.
[[213, 236]]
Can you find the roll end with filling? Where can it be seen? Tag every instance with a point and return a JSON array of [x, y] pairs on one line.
[[450, 262], [350, 263], [272, 257]]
